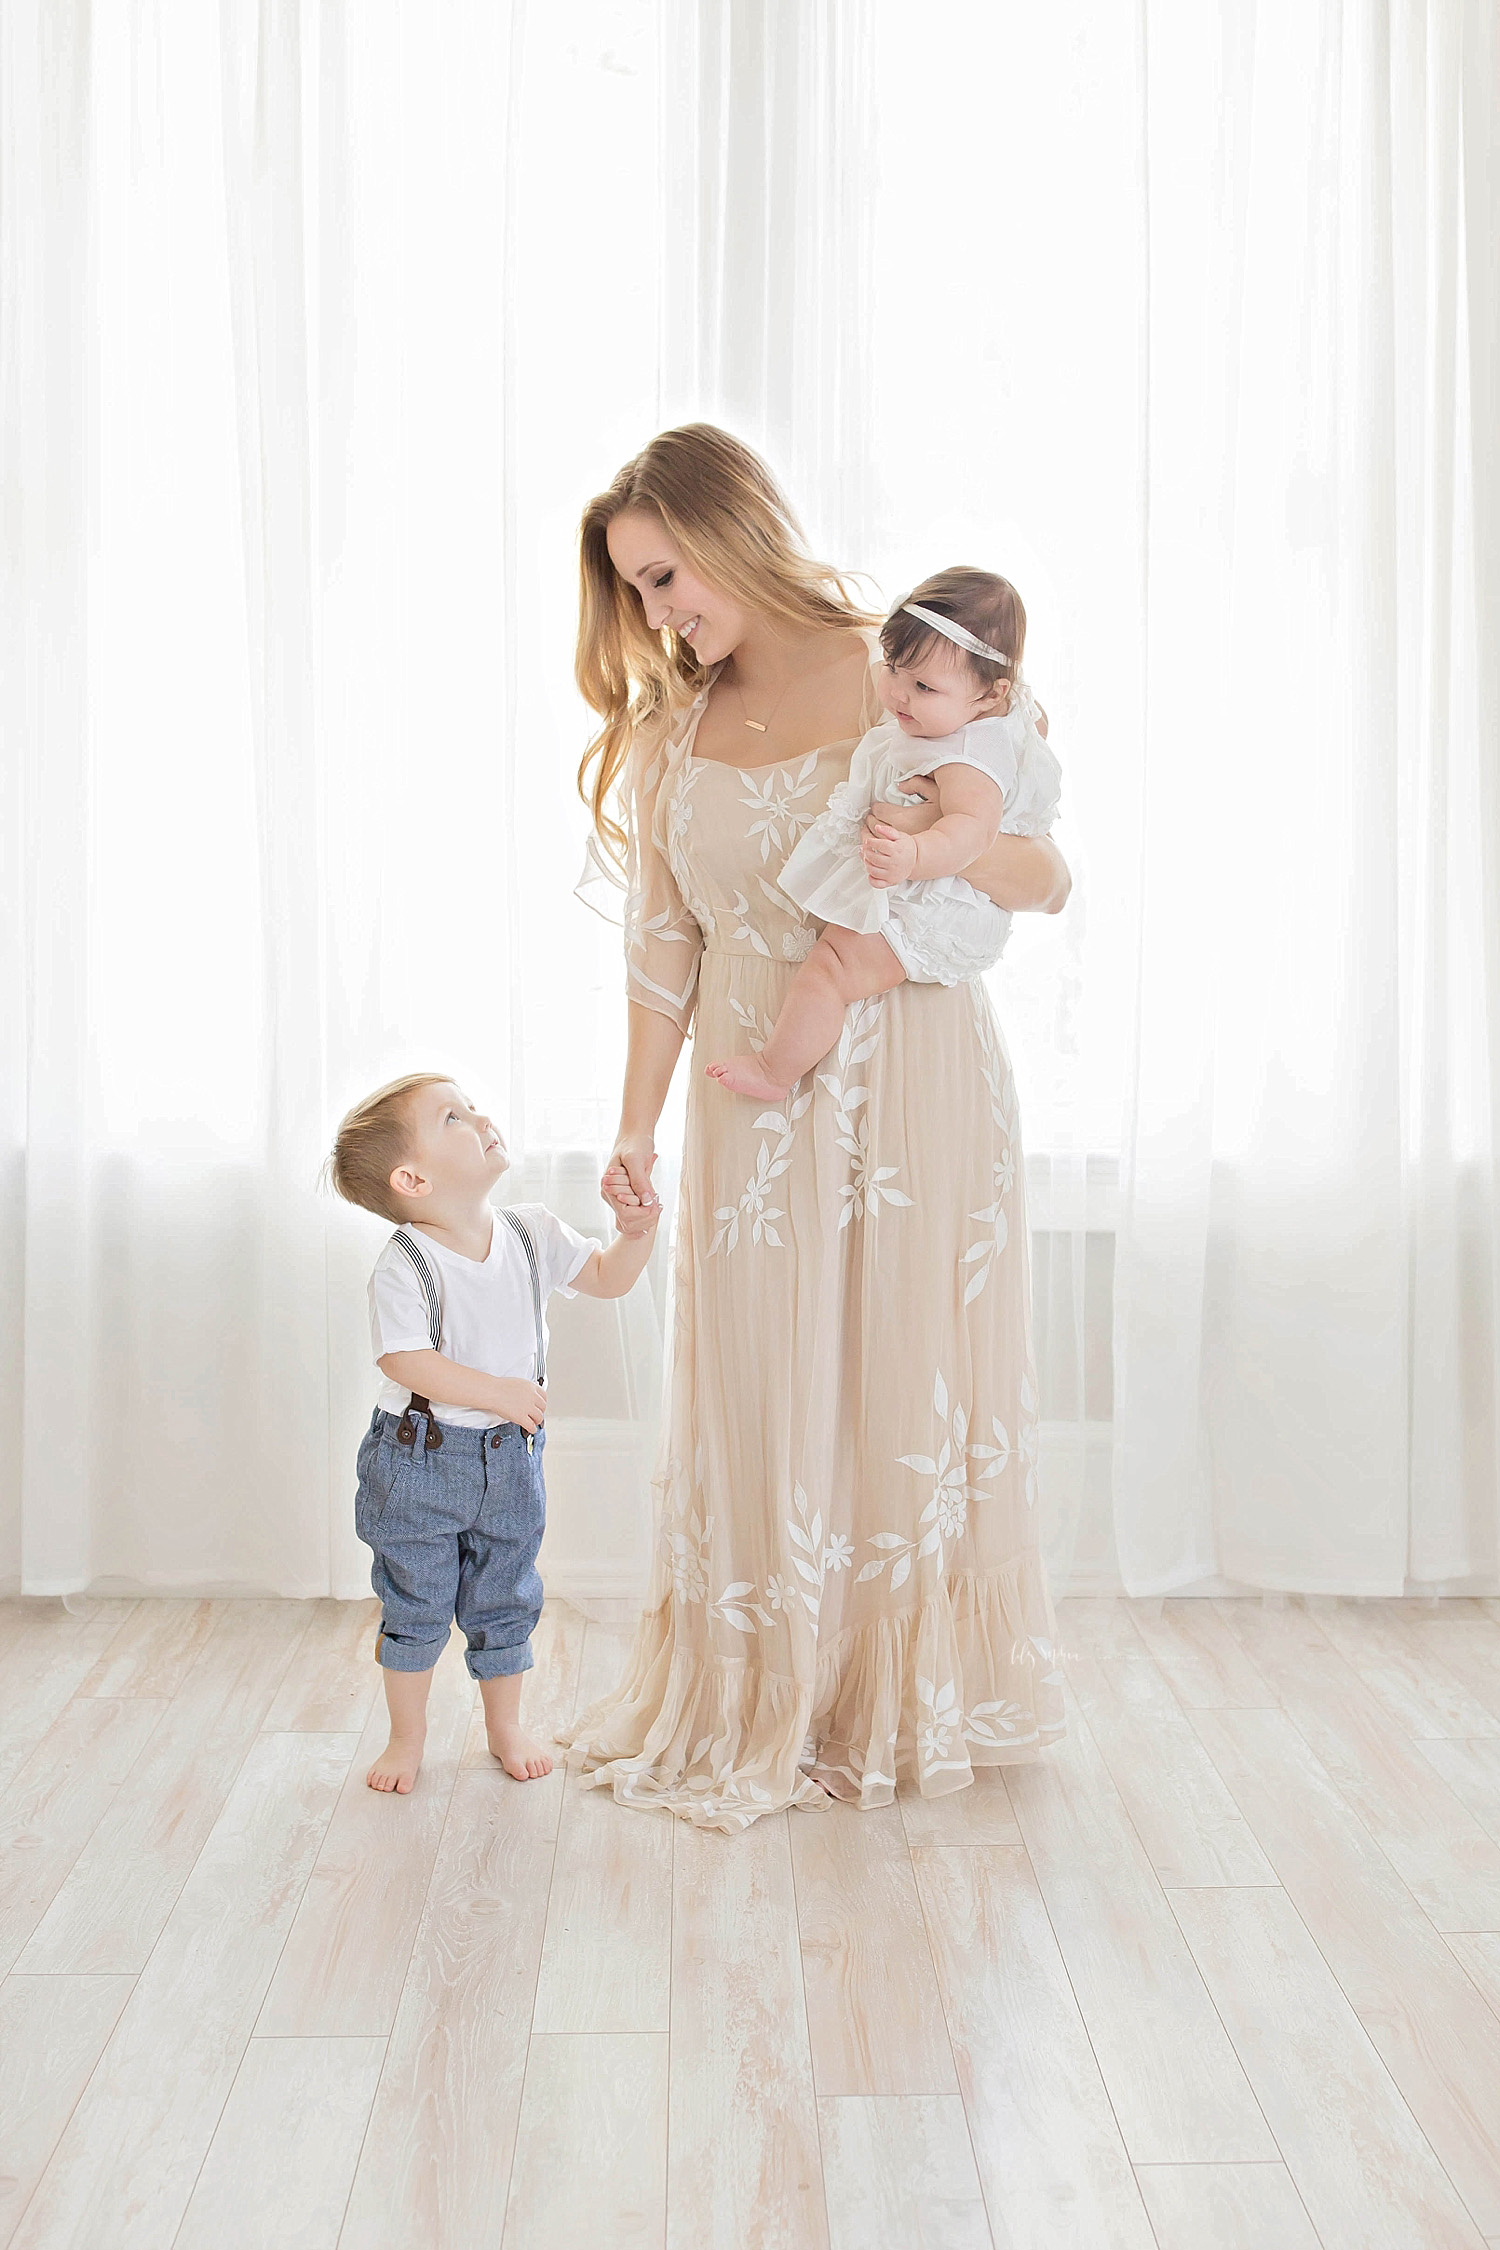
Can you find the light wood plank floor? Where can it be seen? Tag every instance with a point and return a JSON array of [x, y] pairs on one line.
[[1221, 1972]]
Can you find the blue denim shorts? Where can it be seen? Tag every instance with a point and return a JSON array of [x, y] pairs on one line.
[[455, 1534]]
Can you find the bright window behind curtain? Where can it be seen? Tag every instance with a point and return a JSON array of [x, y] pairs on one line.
[[319, 325]]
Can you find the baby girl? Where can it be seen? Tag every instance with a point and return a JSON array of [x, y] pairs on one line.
[[897, 906]]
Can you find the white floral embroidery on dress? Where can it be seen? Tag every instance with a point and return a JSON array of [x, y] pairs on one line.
[[743, 932], [951, 1489], [772, 801], [995, 1723], [983, 1253], [687, 1551], [679, 859], [810, 1564], [738, 1604], [1052, 1677], [939, 1718], [640, 933], [1030, 1431], [946, 1513], [797, 941], [867, 1186], [772, 1158], [686, 1529]]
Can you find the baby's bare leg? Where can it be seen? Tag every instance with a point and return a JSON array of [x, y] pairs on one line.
[[406, 1700], [520, 1753], [842, 967]]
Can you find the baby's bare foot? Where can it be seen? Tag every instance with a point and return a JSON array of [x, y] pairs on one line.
[[398, 1765], [743, 1074], [520, 1753]]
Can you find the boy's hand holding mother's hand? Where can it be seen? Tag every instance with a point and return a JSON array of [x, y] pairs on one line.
[[626, 1185]]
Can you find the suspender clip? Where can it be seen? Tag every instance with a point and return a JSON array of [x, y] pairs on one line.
[[406, 1428]]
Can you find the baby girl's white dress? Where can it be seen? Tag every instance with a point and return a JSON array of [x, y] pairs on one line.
[[941, 930]]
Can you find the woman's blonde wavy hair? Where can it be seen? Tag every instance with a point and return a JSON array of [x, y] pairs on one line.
[[725, 512]]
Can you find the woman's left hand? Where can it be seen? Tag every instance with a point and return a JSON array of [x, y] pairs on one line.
[[910, 820], [1022, 874]]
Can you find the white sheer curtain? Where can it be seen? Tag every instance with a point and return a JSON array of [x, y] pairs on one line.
[[1307, 1342], [304, 360], [319, 325]]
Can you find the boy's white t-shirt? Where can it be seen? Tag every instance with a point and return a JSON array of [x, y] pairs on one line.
[[486, 1309]]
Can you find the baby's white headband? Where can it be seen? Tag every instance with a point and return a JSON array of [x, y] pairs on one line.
[[959, 634]]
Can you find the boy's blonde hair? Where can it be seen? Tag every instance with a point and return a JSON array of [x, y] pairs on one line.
[[720, 504], [371, 1142]]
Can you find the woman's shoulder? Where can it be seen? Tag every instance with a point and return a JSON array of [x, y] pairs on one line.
[[660, 737]]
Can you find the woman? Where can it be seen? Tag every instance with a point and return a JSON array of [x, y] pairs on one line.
[[848, 1584]]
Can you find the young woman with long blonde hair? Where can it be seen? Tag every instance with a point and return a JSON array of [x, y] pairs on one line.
[[848, 1585]]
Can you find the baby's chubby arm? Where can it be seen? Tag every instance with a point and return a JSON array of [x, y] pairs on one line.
[[432, 1375], [970, 806]]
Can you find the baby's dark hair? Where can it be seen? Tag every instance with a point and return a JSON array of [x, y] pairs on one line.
[[985, 605]]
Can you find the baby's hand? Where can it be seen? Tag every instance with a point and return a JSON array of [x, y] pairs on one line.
[[909, 819], [521, 1401], [889, 856]]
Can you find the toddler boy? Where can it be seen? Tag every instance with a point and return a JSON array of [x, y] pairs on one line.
[[451, 1500]]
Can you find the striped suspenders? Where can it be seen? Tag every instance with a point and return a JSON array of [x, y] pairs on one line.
[[519, 1227], [407, 1428]]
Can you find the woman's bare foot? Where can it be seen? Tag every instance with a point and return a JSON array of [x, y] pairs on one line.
[[398, 1765], [520, 1753], [835, 1785], [743, 1074]]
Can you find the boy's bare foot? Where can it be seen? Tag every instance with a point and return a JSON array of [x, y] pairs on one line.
[[398, 1765], [520, 1753], [743, 1074]]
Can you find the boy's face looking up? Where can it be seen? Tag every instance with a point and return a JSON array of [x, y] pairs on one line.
[[454, 1153]]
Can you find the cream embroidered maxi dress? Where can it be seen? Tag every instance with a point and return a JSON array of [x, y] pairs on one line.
[[846, 1495]]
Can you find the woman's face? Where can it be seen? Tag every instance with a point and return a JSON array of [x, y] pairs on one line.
[[644, 555]]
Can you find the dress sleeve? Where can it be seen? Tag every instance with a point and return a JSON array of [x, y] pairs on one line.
[[663, 940]]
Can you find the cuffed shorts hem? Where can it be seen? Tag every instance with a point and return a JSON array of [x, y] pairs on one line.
[[408, 1656], [498, 1663]]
